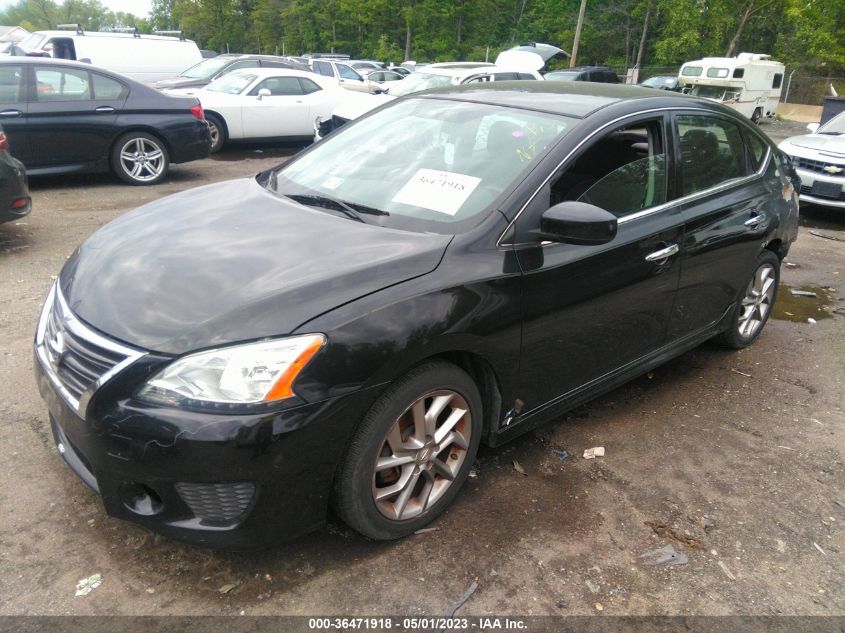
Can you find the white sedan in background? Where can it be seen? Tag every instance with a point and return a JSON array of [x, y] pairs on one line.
[[265, 103]]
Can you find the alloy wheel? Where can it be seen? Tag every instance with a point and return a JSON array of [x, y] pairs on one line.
[[214, 131], [142, 159], [757, 302], [422, 454]]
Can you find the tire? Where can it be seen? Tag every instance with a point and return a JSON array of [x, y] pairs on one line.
[[375, 502], [140, 158], [758, 114], [218, 132], [754, 303]]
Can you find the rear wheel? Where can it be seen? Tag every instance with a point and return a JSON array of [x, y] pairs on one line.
[[140, 158], [754, 304], [411, 454], [758, 114], [217, 129]]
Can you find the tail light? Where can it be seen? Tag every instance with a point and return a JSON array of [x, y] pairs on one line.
[[197, 112], [4, 142], [20, 203]]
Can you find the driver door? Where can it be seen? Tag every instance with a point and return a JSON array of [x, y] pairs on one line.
[[284, 112], [590, 311]]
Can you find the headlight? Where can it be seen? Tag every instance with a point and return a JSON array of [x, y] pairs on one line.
[[241, 374]]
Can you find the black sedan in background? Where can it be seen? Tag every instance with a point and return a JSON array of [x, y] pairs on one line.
[[225, 364], [69, 117], [14, 193], [208, 70]]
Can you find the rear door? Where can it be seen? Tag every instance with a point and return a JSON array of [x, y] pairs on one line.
[[727, 199], [72, 115], [590, 311], [13, 108]]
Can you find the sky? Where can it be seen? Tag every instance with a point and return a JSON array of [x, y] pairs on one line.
[[139, 7]]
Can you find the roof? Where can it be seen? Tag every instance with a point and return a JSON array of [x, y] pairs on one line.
[[325, 82], [575, 99]]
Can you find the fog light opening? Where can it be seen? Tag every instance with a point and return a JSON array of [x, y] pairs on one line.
[[141, 499]]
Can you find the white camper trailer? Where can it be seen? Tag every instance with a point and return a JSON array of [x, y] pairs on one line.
[[749, 83]]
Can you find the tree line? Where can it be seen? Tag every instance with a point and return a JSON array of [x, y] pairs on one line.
[[622, 33]]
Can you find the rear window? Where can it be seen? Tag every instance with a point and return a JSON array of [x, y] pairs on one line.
[[61, 85]]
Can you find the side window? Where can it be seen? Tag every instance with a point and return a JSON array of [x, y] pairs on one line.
[[712, 152], [756, 150], [739, 73], [505, 76], [776, 82], [308, 86], [347, 73], [623, 172], [525, 76], [247, 63], [61, 85], [323, 68], [11, 84], [106, 88], [279, 86]]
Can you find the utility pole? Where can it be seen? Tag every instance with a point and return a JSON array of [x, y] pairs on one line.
[[572, 59]]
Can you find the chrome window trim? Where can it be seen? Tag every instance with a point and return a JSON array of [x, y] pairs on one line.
[[645, 212], [79, 329]]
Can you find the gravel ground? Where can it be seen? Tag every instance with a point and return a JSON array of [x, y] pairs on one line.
[[734, 459]]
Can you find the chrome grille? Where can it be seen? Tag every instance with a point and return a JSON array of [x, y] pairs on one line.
[[77, 359], [217, 503], [819, 165]]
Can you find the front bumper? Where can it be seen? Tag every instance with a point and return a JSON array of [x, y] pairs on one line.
[[220, 479], [806, 194]]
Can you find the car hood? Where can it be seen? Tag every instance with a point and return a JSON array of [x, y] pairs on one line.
[[824, 143], [359, 103], [179, 82], [232, 262]]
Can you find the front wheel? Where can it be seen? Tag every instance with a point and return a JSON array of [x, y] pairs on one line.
[[754, 304], [411, 454], [758, 114], [140, 158]]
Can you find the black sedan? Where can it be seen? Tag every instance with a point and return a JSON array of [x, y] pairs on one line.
[[14, 193], [68, 117], [226, 364], [208, 70]]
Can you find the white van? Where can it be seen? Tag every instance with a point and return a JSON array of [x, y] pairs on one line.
[[749, 83], [146, 58]]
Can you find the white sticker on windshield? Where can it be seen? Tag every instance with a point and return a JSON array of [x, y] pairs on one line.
[[332, 182], [441, 191]]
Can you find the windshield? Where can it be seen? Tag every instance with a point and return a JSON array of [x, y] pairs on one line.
[[425, 165], [420, 81], [835, 126], [231, 83], [657, 82], [31, 41], [562, 76], [206, 68]]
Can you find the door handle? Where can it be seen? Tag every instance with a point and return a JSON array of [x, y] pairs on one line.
[[755, 219], [10, 113], [104, 109], [663, 253]]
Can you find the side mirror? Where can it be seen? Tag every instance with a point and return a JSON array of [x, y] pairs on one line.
[[577, 223], [813, 127], [264, 92]]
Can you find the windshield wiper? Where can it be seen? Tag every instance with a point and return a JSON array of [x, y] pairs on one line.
[[831, 133], [327, 203]]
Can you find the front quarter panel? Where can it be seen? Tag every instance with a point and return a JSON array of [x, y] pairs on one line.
[[471, 304]]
